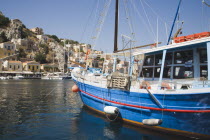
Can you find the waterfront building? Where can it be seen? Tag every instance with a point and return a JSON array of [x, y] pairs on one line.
[[49, 68], [7, 49], [12, 66], [31, 66]]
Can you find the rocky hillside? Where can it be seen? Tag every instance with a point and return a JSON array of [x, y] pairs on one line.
[[34, 48], [12, 29]]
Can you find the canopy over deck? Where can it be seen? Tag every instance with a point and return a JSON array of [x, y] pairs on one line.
[[172, 46]]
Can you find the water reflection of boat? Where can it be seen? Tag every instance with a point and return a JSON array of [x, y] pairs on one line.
[[115, 130]]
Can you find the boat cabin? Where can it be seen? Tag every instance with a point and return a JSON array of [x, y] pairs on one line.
[[186, 59]]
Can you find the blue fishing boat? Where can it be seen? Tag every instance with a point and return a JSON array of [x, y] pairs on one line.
[[170, 94]]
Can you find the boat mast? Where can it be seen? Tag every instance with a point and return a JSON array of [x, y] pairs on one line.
[[172, 27], [116, 26]]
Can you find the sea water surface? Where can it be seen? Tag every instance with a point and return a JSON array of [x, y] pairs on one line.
[[48, 110]]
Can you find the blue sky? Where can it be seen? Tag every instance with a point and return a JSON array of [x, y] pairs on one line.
[[72, 19]]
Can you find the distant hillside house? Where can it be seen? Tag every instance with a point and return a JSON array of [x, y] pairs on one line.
[[98, 52], [7, 49], [12, 66], [43, 38], [49, 68], [22, 42], [31, 66], [85, 47], [38, 31]]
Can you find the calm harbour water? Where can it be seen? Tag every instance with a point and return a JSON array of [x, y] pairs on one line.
[[48, 110]]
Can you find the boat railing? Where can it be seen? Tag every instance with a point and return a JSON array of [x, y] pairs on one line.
[[173, 84]]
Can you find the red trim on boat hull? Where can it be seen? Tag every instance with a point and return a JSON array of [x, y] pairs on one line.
[[151, 108]]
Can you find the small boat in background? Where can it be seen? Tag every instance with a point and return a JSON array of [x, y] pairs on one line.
[[56, 76], [18, 77], [3, 78]]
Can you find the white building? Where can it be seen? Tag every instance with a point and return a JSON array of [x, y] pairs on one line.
[[43, 38], [20, 42]]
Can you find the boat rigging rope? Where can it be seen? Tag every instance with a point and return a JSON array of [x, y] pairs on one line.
[[101, 22], [95, 18], [159, 17], [135, 8], [87, 23], [148, 20], [128, 17], [52, 90]]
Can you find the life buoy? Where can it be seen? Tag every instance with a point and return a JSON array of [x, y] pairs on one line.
[[75, 88], [144, 85], [165, 86]]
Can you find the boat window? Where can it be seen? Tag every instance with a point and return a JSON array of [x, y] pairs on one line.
[[147, 72], [203, 56], [166, 73], [157, 72], [182, 57], [183, 72], [168, 60], [149, 60], [158, 59], [203, 71]]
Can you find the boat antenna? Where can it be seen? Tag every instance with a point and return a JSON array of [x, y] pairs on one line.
[[116, 26], [172, 27]]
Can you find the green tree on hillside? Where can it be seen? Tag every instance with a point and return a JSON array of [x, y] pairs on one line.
[[40, 57], [3, 37], [54, 37], [45, 48], [22, 53], [4, 21]]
